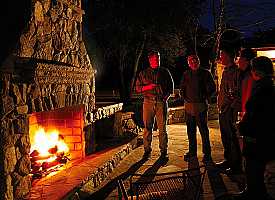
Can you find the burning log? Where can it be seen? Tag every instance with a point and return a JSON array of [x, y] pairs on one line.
[[50, 153], [35, 166], [37, 158], [47, 165], [62, 159], [53, 150], [42, 169], [34, 153]]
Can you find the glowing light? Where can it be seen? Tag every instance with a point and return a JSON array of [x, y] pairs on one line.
[[268, 53], [44, 141]]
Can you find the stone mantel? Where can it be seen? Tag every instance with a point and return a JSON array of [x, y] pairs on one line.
[[60, 74], [26, 70]]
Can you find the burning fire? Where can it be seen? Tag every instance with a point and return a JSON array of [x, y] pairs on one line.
[[45, 141], [48, 151]]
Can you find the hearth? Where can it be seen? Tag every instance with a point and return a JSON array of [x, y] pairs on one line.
[[56, 137]]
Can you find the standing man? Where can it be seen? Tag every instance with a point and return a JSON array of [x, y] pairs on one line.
[[197, 88], [229, 104], [156, 85], [258, 129]]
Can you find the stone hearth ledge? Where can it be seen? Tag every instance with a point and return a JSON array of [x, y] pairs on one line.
[[91, 170]]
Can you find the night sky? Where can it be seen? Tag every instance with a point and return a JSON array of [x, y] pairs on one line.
[[247, 16]]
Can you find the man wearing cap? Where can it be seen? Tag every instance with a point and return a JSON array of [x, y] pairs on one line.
[[156, 85]]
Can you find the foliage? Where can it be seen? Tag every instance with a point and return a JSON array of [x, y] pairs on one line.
[[125, 29]]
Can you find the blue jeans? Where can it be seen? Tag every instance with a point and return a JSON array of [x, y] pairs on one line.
[[192, 122]]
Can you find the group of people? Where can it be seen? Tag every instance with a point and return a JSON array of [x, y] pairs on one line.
[[246, 91]]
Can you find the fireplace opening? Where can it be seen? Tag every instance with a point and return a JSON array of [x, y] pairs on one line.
[[56, 137]]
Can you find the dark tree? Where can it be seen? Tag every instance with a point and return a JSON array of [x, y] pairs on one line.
[[123, 30]]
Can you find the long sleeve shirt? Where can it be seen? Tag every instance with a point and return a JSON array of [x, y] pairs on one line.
[[197, 88], [161, 77], [230, 89]]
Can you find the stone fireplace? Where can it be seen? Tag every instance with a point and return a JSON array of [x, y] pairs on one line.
[[47, 80], [67, 122]]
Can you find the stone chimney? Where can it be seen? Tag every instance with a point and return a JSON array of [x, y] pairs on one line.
[[49, 68]]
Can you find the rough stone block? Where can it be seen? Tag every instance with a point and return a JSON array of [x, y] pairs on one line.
[[24, 165], [9, 159]]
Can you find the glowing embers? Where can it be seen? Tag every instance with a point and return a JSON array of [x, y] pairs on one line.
[[49, 152]]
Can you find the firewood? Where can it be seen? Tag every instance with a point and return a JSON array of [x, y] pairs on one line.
[[37, 158], [47, 165], [34, 153], [35, 166], [53, 150], [62, 160]]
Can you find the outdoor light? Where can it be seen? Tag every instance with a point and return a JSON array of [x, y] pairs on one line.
[[268, 53]]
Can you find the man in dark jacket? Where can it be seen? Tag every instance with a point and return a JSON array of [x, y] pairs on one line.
[[156, 85], [197, 88], [229, 104], [258, 129]]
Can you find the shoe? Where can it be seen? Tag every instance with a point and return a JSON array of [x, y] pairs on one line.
[[243, 195], [207, 158], [234, 171], [188, 156], [223, 165], [146, 155]]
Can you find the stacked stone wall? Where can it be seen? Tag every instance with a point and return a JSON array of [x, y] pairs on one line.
[[48, 69]]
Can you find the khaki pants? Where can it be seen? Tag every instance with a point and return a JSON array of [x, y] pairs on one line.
[[152, 110]]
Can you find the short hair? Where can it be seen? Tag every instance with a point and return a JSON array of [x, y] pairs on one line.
[[230, 42], [153, 52], [248, 53], [232, 52], [193, 56], [262, 65]]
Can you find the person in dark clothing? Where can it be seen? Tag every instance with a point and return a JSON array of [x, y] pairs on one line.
[[197, 89], [229, 104], [156, 85], [258, 129]]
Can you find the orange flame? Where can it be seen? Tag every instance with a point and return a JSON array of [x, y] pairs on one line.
[[43, 141]]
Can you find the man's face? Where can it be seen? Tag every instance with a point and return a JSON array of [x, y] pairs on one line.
[[225, 58], [193, 62], [243, 63], [154, 61], [255, 76]]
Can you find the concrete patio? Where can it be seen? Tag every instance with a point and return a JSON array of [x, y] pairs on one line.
[[216, 185]]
